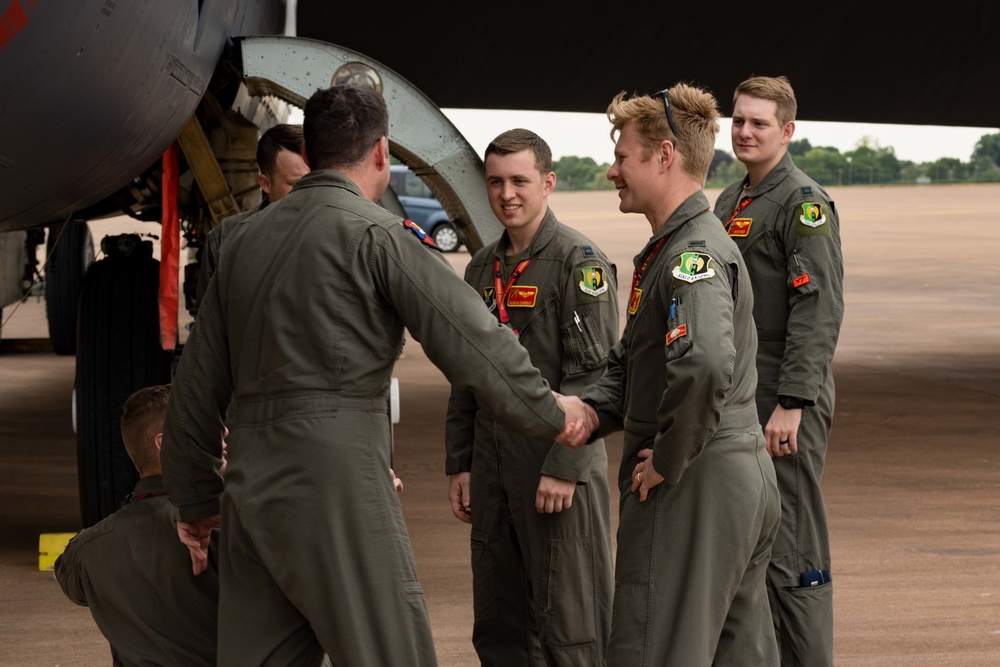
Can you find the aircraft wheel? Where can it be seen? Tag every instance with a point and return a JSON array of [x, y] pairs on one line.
[[446, 237], [68, 261], [118, 352]]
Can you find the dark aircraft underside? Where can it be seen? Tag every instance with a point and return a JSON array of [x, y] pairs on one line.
[[848, 61]]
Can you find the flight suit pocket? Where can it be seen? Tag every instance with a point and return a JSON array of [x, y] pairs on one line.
[[484, 592], [800, 275], [569, 587], [677, 340], [582, 344]]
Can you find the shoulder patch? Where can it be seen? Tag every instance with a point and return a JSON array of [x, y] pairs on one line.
[[694, 266], [420, 234], [812, 220], [812, 214], [593, 282]]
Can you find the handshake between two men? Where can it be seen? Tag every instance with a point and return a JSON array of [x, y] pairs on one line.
[[581, 421]]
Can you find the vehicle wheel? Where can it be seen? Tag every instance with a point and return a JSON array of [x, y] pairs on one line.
[[446, 237], [68, 261], [118, 352]]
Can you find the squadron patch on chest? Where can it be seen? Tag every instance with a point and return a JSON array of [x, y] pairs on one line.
[[490, 298], [522, 296], [694, 266], [740, 226], [593, 281]]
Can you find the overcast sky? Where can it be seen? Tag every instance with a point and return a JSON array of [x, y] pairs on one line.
[[586, 134]]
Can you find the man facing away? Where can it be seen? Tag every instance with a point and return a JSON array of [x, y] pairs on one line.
[[695, 531], [542, 567], [293, 350], [788, 231], [280, 161], [130, 569]]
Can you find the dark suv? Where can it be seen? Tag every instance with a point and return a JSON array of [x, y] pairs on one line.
[[423, 208]]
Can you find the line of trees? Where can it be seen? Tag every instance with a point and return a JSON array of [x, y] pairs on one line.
[[868, 164]]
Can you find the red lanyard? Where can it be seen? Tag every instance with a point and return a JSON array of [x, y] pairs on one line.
[[502, 290], [637, 273], [739, 207], [636, 293]]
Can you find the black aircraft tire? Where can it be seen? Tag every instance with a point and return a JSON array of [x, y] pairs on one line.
[[63, 274], [118, 352]]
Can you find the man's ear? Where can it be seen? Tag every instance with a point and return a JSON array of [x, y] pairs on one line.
[[382, 153], [159, 442], [265, 183], [787, 132]]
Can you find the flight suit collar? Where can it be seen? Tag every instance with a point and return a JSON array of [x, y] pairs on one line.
[[148, 484], [773, 178], [326, 178], [690, 208], [546, 232]]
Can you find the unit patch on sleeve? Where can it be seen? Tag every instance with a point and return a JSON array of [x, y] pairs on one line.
[[812, 215], [799, 281], [420, 234], [676, 333], [813, 220], [694, 266], [593, 281], [740, 226]]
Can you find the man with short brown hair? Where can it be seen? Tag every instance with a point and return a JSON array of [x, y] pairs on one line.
[[130, 569], [788, 231]]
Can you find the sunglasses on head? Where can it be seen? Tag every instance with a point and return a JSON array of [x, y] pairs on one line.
[[666, 107]]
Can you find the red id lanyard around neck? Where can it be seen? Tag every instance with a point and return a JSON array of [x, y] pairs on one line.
[[636, 293], [739, 207], [503, 289]]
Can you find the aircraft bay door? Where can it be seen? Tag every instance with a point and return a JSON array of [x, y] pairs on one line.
[[420, 135]]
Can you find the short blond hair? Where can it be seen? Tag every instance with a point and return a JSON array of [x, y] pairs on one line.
[[696, 116]]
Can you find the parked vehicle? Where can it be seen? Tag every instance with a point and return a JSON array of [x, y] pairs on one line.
[[423, 208]]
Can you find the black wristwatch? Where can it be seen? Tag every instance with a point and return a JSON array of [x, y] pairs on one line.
[[791, 403]]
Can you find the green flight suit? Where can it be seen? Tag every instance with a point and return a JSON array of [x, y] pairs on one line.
[[542, 583], [209, 258], [789, 235], [689, 571], [135, 575], [293, 350]]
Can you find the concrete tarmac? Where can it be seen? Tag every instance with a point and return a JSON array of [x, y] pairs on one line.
[[912, 479]]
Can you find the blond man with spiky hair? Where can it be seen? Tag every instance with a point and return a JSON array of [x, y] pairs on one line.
[[699, 504]]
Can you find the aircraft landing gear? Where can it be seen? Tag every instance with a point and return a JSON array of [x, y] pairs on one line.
[[70, 252], [118, 351]]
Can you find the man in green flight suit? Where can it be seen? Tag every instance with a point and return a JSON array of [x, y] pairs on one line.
[[788, 231], [131, 571], [695, 531], [542, 567], [293, 350], [280, 161]]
